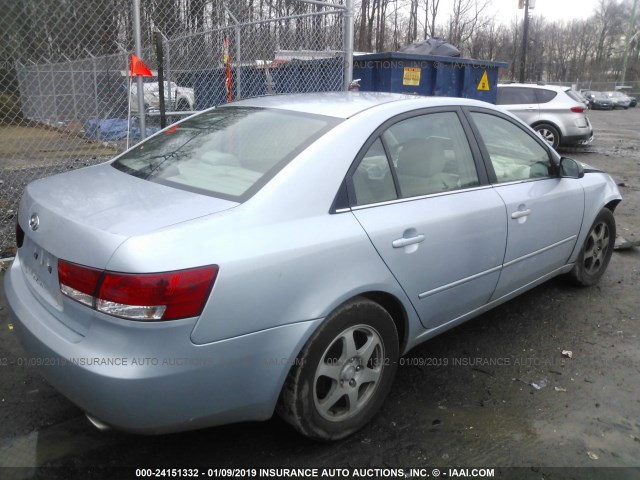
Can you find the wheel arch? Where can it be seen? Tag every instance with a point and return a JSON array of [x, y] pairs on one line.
[[612, 205], [394, 307]]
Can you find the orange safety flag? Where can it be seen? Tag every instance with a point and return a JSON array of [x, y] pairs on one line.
[[227, 61], [139, 68]]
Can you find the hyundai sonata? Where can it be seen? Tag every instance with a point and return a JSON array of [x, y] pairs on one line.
[[281, 253]]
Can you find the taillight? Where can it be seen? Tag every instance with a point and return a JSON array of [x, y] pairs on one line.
[[578, 109], [154, 296], [78, 282], [19, 235]]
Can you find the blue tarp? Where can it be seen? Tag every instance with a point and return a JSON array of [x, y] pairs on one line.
[[113, 129]]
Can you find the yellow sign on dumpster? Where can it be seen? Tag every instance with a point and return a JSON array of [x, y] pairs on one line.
[[411, 76], [484, 82]]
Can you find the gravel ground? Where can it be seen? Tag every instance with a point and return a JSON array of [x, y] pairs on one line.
[[464, 399]]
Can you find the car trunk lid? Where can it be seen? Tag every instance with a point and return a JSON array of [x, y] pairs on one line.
[[85, 215]]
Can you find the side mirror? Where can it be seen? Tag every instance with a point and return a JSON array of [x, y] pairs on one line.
[[569, 168]]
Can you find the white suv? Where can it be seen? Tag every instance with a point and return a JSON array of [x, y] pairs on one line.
[[556, 113]]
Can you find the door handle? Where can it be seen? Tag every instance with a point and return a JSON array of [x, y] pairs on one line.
[[521, 213], [403, 242]]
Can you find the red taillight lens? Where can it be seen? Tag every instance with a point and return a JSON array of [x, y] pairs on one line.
[[19, 235], [166, 296], [155, 296], [78, 282], [578, 109]]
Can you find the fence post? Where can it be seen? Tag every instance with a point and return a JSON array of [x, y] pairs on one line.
[[53, 90], [160, 55], [137, 34], [95, 81], [168, 75], [236, 29], [348, 43], [73, 89]]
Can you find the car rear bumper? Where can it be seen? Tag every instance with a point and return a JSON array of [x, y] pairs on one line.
[[150, 377], [585, 139]]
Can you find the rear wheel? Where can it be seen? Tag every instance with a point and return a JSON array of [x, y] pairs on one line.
[[596, 251], [343, 374], [549, 133]]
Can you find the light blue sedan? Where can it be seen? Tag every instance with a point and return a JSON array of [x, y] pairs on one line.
[[281, 254]]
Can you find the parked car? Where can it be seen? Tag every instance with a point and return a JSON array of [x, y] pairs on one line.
[[599, 100], [620, 100], [175, 97], [281, 253], [580, 97], [556, 113]]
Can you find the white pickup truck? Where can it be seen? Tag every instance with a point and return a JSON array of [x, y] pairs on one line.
[[175, 97]]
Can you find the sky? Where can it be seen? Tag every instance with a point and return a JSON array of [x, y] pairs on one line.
[[553, 10]]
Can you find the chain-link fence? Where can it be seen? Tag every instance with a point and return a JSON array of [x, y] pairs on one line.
[[628, 88], [66, 97]]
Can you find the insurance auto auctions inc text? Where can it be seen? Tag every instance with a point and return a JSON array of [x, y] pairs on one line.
[[375, 473]]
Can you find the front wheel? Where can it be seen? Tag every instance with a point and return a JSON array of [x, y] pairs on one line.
[[549, 133], [344, 373], [596, 251]]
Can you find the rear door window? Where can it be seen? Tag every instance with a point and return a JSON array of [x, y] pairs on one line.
[[424, 155], [516, 95]]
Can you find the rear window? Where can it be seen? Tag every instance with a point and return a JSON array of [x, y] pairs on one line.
[[229, 152]]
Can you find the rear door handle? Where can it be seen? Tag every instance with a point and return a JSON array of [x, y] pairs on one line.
[[403, 242], [521, 213]]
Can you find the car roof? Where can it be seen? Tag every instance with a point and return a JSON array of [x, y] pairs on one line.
[[345, 104], [558, 88]]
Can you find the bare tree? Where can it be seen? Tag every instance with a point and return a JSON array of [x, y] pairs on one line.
[[466, 19]]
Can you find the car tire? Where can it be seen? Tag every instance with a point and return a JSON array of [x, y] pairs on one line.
[[549, 133], [596, 251], [343, 374]]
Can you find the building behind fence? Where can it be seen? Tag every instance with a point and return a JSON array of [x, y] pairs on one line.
[[64, 83]]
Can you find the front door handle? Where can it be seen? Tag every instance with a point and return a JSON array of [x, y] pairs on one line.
[[521, 213], [403, 242]]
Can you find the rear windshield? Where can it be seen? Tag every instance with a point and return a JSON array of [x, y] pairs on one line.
[[229, 152]]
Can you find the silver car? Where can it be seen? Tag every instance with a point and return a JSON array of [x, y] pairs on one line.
[[558, 114], [281, 254]]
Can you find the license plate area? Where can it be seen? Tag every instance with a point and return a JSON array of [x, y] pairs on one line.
[[40, 268]]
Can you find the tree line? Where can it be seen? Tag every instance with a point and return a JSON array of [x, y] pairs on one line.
[[44, 31]]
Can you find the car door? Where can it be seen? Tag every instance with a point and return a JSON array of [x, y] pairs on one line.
[[544, 211], [521, 101], [428, 210]]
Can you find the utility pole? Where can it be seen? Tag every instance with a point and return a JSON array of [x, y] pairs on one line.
[[525, 41], [628, 40]]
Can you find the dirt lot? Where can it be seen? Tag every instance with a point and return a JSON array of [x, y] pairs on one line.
[[464, 399], [29, 152]]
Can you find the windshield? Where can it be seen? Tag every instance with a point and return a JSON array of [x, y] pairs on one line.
[[229, 152]]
